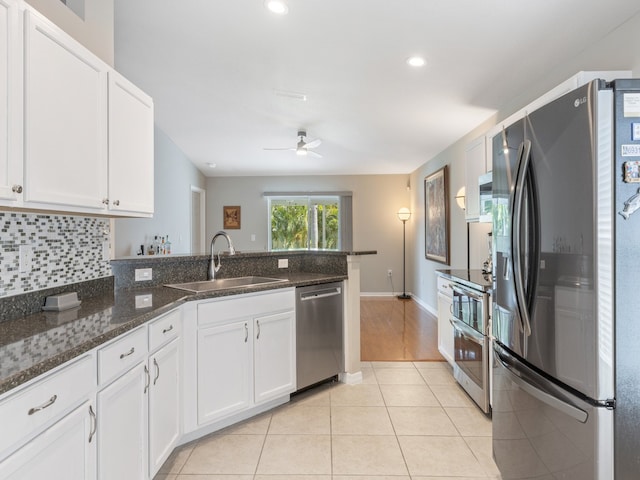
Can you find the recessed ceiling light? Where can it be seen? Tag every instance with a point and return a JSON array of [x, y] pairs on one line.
[[416, 61], [277, 6], [211, 165]]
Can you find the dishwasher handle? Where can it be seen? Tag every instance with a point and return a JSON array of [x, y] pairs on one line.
[[320, 294]]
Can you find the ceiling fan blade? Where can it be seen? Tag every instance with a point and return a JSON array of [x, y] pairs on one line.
[[313, 154], [313, 143], [291, 149]]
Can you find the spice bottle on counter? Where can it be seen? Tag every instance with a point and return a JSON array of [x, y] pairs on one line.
[[167, 246]]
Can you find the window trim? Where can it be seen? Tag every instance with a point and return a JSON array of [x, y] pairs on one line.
[[345, 228]]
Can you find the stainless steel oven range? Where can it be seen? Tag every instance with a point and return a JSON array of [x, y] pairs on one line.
[[470, 320]]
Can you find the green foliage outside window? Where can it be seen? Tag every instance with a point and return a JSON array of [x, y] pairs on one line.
[[295, 225]]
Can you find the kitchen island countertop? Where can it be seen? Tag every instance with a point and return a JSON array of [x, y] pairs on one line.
[[37, 343]]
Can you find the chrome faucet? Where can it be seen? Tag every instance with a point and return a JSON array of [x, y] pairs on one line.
[[213, 268]]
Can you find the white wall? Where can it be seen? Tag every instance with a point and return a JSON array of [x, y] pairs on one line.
[[95, 31], [614, 52], [376, 199], [174, 175]]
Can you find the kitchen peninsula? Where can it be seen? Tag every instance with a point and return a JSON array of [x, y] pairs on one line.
[[82, 365]]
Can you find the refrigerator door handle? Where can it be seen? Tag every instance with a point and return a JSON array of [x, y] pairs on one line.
[[523, 165], [535, 391]]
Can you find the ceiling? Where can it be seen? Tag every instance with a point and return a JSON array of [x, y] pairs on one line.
[[225, 74]]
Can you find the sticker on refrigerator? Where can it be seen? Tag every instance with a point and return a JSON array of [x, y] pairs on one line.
[[631, 150], [631, 104], [632, 171], [635, 131]]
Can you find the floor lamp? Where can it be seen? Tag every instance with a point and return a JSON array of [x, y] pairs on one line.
[[404, 214]]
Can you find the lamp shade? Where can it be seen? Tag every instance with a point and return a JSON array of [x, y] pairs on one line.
[[404, 214]]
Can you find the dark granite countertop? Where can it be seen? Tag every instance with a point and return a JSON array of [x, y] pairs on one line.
[[37, 343], [472, 278]]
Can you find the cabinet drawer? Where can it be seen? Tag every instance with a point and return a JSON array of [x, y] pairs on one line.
[[444, 286], [122, 354], [25, 412], [164, 329], [227, 309]]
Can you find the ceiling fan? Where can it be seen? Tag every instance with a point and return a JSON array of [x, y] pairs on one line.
[[303, 147]]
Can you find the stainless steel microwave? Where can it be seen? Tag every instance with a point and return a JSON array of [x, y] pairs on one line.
[[485, 201]]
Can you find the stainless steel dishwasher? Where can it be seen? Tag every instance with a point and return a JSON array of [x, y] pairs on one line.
[[319, 338]]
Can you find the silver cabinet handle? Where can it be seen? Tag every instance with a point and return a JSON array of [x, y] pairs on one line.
[[155, 362], [168, 329], [105, 201], [16, 189], [246, 333], [146, 372], [94, 421], [116, 202], [258, 325], [46, 404], [130, 352]]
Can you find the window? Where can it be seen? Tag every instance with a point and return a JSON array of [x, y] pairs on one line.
[[308, 222]]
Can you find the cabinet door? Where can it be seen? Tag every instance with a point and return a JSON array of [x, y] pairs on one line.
[[130, 147], [10, 161], [122, 426], [224, 370], [274, 356], [65, 114], [66, 450], [164, 404], [445, 329]]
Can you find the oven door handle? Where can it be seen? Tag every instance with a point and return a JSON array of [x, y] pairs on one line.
[[467, 331], [467, 292]]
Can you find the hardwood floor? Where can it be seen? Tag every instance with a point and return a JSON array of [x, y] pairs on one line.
[[397, 330]]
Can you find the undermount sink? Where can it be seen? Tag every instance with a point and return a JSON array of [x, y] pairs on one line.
[[224, 283]]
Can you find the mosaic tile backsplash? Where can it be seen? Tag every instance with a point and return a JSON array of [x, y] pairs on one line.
[[62, 249]]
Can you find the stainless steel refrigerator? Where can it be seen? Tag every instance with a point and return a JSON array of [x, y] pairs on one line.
[[566, 260]]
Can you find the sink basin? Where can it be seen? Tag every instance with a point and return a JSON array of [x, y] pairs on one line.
[[224, 283]]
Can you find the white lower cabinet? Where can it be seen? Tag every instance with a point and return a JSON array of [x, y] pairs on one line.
[[164, 404], [445, 329], [122, 426], [224, 369], [67, 450], [274, 356], [243, 352]]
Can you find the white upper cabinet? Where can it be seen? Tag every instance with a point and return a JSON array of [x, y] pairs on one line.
[[65, 114], [475, 158], [130, 147], [10, 164], [75, 136]]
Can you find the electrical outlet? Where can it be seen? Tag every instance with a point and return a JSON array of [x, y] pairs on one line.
[[144, 274], [144, 301], [283, 263], [389, 273]]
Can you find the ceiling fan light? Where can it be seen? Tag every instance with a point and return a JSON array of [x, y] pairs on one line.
[[301, 151], [277, 6]]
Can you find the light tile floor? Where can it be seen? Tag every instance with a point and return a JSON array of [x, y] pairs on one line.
[[405, 421]]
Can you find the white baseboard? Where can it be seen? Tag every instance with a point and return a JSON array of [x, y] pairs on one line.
[[428, 308], [350, 378], [419, 301]]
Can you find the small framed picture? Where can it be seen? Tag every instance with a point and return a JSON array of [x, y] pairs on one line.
[[231, 217], [632, 172]]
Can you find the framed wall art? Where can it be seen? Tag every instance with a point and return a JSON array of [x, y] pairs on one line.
[[231, 217], [436, 211]]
